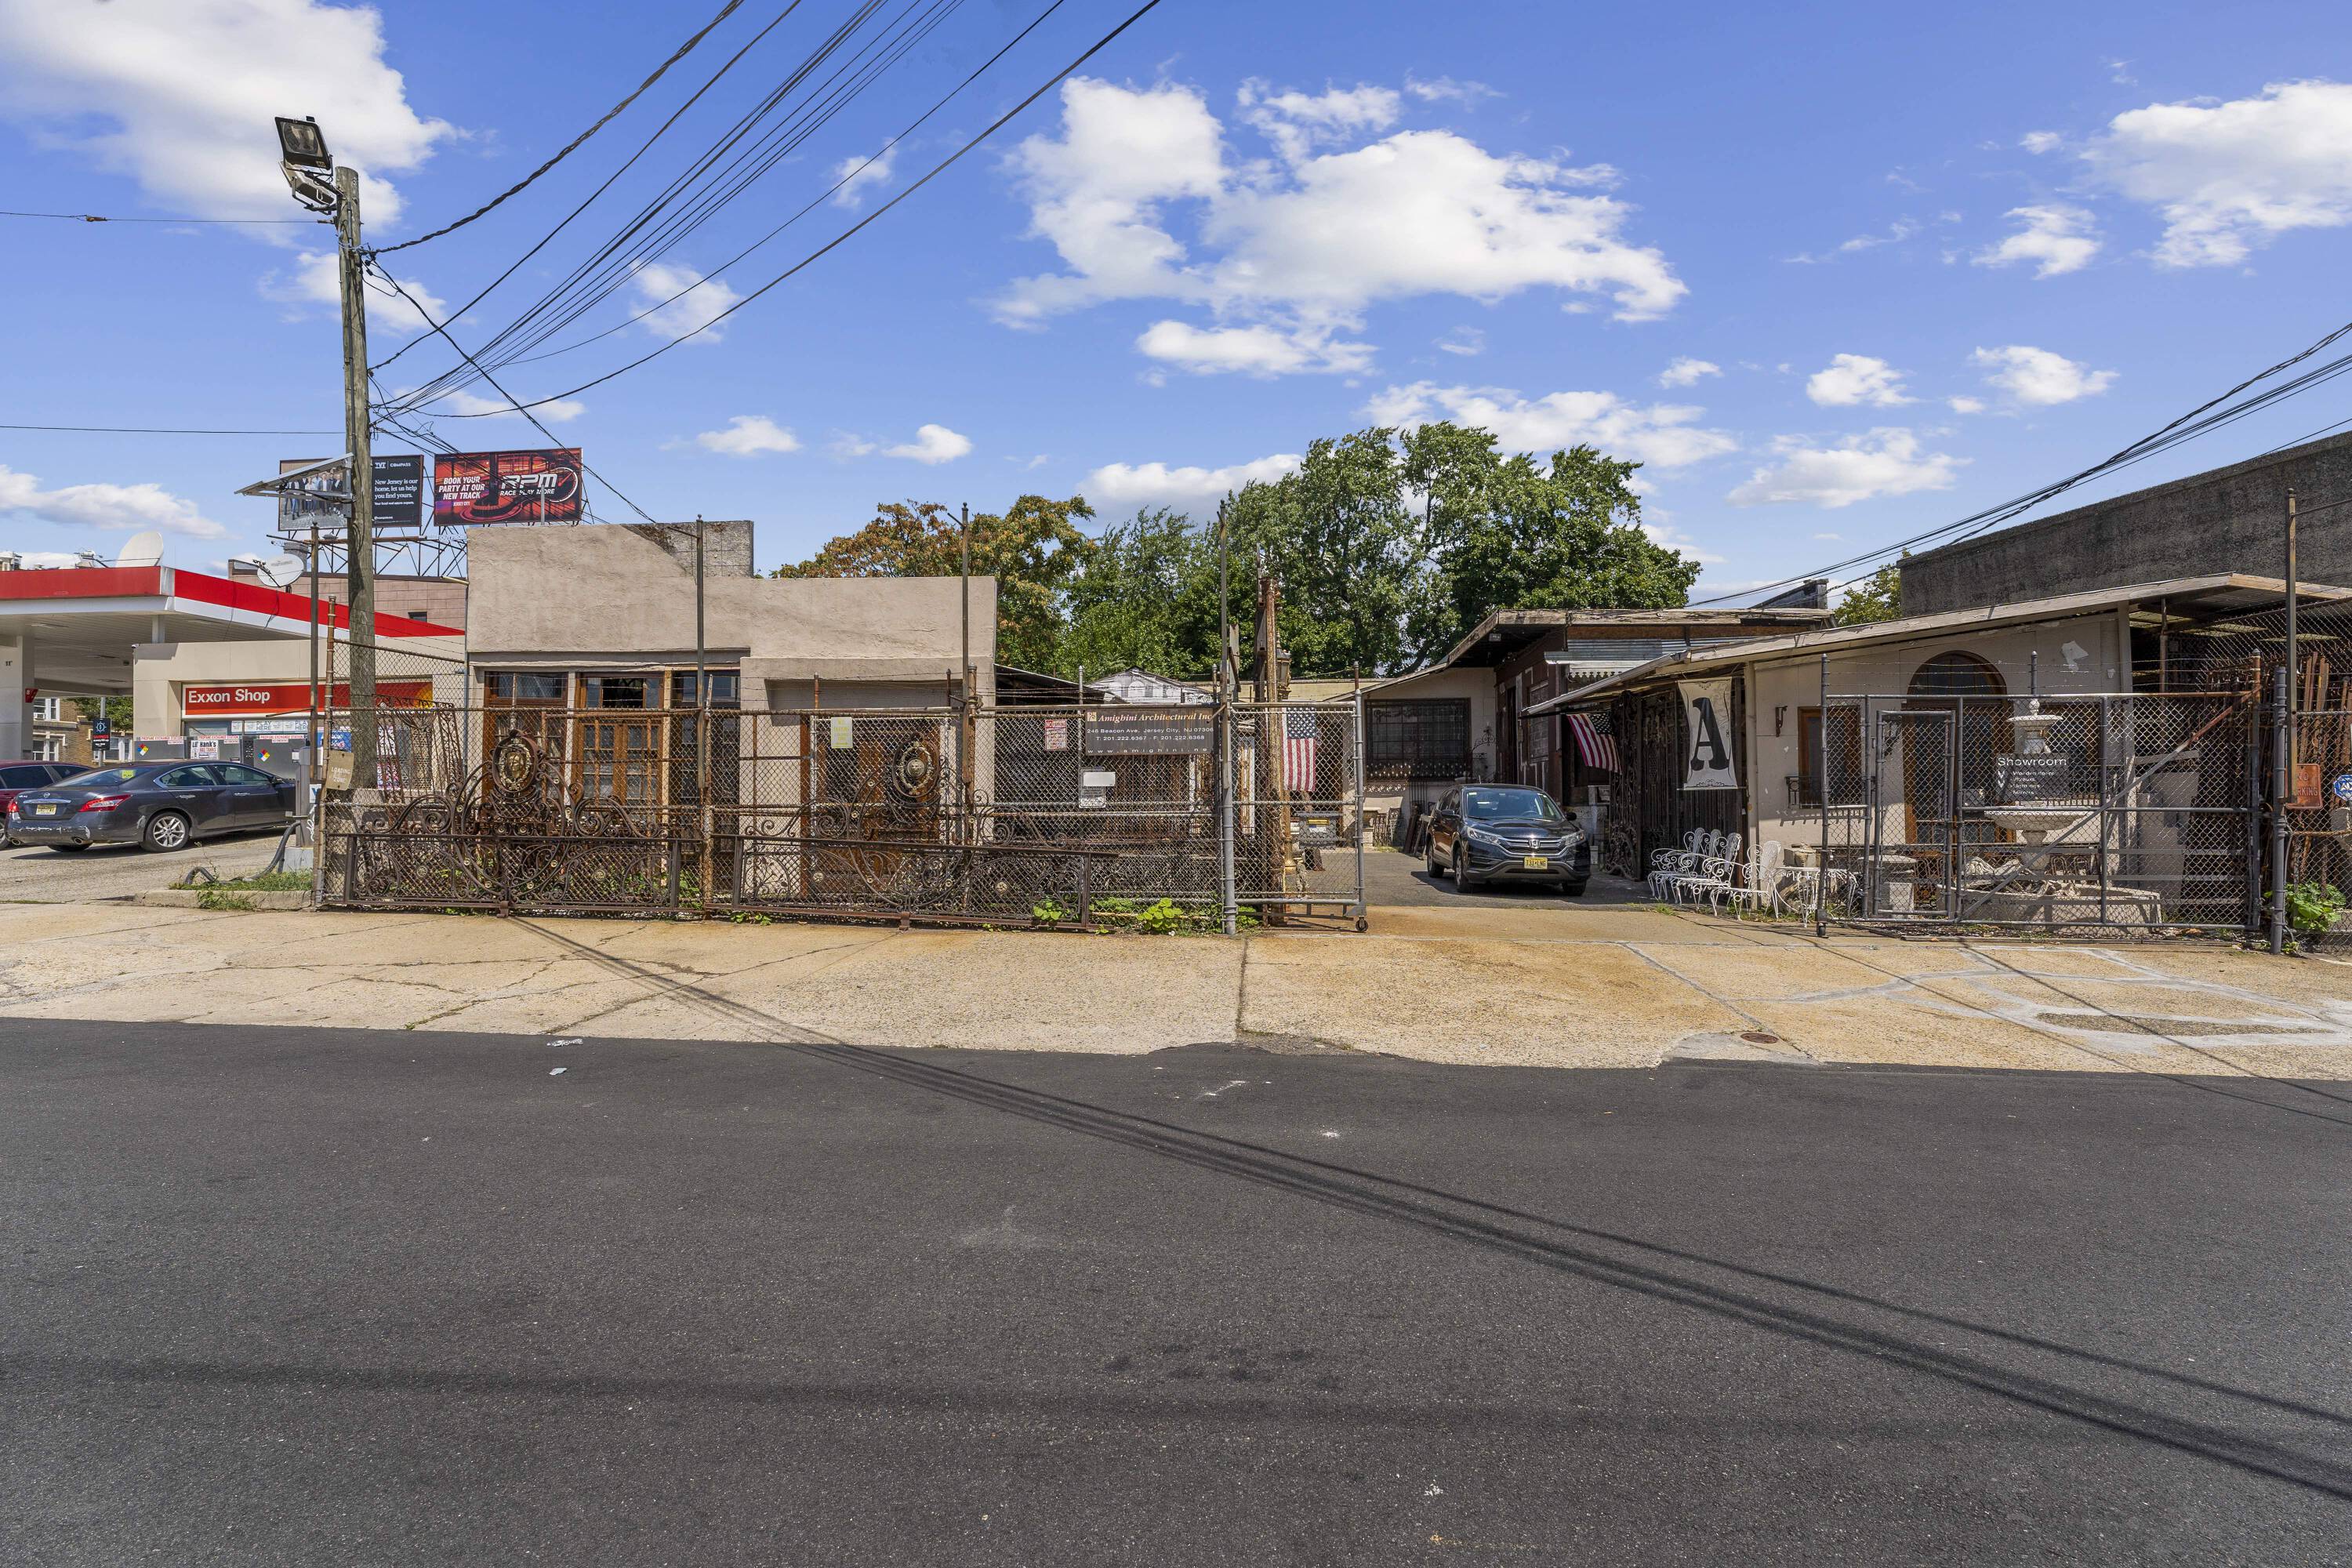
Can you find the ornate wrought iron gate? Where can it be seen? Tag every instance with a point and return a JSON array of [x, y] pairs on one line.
[[1023, 815]]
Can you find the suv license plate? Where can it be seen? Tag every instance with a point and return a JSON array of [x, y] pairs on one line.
[[1536, 863]]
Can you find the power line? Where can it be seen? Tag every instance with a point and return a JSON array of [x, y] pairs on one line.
[[2161, 439], [607, 272], [725, 11], [935, 171], [518, 407], [626, 164], [821, 198], [157, 430], [96, 217], [445, 382]]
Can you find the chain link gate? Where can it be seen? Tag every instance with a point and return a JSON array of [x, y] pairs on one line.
[[2132, 811], [1016, 814]]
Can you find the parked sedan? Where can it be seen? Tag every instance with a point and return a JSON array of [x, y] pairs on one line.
[[1483, 833], [158, 806], [29, 774]]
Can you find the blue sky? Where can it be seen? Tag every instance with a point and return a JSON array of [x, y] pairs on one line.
[[1835, 273]]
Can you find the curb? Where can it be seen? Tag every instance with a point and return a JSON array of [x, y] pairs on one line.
[[190, 898]]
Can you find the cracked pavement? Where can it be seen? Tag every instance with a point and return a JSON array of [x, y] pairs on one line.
[[1594, 988]]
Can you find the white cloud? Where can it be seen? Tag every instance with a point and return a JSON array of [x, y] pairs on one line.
[[558, 412], [1966, 404], [1467, 341], [749, 435], [1469, 94], [1124, 485], [1898, 231], [178, 94], [857, 173], [1884, 462], [1297, 123], [1258, 350], [2040, 141], [1663, 531], [313, 278], [1313, 239], [2228, 177], [2056, 238], [1687, 371], [113, 508], [932, 444], [700, 300], [2038, 376], [1831, 538], [1854, 379], [1662, 435]]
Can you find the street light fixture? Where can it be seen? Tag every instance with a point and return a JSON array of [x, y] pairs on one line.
[[303, 144], [305, 161]]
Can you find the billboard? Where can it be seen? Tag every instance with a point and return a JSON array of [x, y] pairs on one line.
[[324, 497], [474, 488], [399, 490]]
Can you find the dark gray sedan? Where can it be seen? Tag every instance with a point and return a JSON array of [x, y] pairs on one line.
[[157, 806]]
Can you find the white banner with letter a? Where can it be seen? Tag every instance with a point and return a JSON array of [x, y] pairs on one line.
[[1707, 744]]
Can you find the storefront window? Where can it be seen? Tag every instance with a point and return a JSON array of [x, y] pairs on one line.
[[724, 690], [614, 692], [505, 688]]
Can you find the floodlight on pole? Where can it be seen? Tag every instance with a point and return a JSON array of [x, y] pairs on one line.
[[303, 144], [305, 161]]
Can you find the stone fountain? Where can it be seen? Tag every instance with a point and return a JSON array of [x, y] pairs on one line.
[[2029, 784], [2029, 780]]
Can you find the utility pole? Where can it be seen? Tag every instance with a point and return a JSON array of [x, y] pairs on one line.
[[358, 543], [702, 720], [1228, 679]]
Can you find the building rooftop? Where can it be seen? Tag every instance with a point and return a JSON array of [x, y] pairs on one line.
[[2217, 595], [1505, 632]]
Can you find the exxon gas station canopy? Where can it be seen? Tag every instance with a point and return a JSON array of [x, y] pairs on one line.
[[83, 621]]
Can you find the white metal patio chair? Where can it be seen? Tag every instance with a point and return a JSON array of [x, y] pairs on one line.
[[1759, 882], [1666, 861], [1704, 842], [1713, 873]]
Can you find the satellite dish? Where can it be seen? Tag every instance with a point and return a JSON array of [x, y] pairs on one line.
[[143, 549], [278, 572]]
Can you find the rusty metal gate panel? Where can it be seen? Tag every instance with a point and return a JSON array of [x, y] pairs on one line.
[[1030, 814]]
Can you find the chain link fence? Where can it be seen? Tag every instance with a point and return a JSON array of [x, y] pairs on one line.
[[2081, 814], [1030, 814]]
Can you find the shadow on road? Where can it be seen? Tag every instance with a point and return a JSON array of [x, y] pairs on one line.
[[1634, 1265]]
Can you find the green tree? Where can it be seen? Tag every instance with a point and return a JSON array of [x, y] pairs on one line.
[[1392, 545], [116, 708], [1878, 599], [1035, 549], [1146, 598]]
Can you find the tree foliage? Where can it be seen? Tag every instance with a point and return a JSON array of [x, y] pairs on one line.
[[1389, 545], [1035, 549], [1879, 599]]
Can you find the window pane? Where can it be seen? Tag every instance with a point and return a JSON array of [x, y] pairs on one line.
[[724, 688], [1417, 740], [614, 692]]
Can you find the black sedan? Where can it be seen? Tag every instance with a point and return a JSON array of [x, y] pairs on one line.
[[158, 806], [1494, 833]]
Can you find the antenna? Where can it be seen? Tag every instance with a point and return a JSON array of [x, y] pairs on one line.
[[278, 571], [144, 549]]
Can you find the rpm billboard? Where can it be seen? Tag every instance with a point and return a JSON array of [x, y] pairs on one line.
[[475, 487]]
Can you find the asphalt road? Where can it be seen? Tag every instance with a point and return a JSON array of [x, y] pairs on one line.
[[301, 1297], [33, 873]]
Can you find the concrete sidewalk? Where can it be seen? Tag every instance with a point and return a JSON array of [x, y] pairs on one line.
[[1624, 987]]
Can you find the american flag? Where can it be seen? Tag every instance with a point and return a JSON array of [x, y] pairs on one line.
[[1593, 742], [1299, 752]]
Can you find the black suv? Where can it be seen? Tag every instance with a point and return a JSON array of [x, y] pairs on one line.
[[1484, 833]]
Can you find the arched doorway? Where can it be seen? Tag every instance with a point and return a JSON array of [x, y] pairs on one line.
[[1952, 765]]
